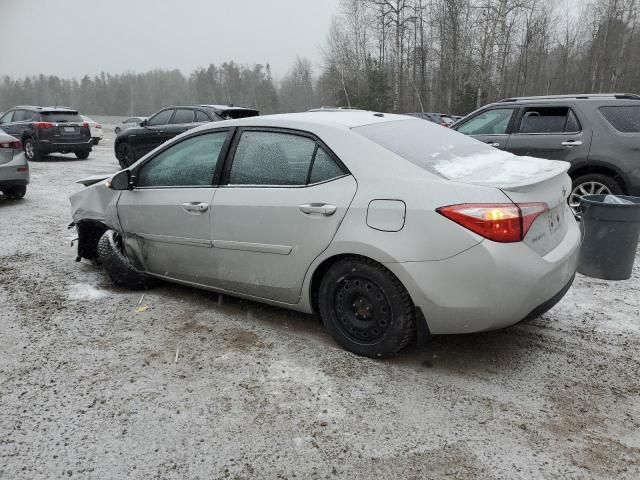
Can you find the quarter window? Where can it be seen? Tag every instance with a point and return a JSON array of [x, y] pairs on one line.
[[160, 118], [272, 158], [324, 168], [202, 117], [183, 115], [191, 162], [549, 120], [491, 122], [623, 119]]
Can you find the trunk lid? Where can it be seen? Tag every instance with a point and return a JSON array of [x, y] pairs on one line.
[[522, 180]]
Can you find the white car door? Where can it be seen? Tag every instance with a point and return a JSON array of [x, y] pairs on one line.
[[283, 201], [166, 217]]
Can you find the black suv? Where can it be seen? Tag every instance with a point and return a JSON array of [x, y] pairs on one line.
[[45, 130], [598, 134], [134, 143]]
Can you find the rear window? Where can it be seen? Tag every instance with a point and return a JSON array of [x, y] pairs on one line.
[[623, 119], [423, 143], [60, 117], [232, 114]]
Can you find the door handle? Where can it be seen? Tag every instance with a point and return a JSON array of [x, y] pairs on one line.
[[493, 144], [321, 208], [195, 207], [572, 143]]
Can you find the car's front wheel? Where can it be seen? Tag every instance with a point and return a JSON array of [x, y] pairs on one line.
[[365, 308], [126, 155], [112, 256], [592, 184], [15, 192]]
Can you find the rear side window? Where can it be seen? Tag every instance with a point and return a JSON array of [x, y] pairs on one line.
[[623, 119], [60, 117], [191, 162], [549, 120], [202, 117], [183, 115], [491, 122], [272, 158]]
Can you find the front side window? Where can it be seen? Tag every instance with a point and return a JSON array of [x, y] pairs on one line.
[[160, 118], [624, 119], [191, 162], [183, 115], [272, 158], [549, 120], [491, 122]]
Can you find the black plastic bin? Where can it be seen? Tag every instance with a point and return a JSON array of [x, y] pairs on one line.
[[610, 227]]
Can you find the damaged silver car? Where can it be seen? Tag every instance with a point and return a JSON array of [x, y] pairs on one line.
[[388, 227]]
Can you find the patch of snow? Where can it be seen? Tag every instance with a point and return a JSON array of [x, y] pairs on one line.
[[84, 291], [497, 167]]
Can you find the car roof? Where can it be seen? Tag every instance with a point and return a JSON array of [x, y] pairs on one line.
[[564, 98], [344, 119], [45, 109]]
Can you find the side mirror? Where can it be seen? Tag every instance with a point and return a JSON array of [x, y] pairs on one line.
[[120, 181], [144, 123]]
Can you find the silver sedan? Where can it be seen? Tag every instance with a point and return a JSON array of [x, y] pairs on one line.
[[14, 167], [388, 227]]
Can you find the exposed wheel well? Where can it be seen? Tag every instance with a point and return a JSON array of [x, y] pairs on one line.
[[587, 169], [89, 233]]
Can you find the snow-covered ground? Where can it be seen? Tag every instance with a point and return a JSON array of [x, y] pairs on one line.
[[97, 382]]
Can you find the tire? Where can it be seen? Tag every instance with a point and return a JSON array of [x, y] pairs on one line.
[[30, 149], [82, 154], [126, 156], [365, 308], [16, 192], [592, 183], [119, 268]]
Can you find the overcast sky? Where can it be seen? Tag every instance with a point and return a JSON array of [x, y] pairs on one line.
[[77, 37]]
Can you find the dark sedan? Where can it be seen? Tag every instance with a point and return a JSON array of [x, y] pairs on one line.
[[136, 142]]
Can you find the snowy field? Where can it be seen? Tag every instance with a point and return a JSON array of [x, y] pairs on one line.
[[99, 383]]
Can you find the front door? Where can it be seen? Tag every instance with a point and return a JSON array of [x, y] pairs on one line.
[[284, 199], [490, 126], [553, 133], [166, 217], [145, 139]]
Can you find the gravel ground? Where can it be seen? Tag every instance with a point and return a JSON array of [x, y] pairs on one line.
[[201, 386]]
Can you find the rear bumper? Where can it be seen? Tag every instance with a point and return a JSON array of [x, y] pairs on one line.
[[48, 146], [491, 285], [9, 174]]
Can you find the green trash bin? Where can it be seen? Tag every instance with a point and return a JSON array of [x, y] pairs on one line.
[[610, 228]]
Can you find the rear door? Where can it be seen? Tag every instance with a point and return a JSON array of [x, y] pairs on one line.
[[284, 199], [166, 217], [491, 126], [551, 132]]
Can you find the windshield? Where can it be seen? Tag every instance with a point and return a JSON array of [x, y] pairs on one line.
[[61, 117]]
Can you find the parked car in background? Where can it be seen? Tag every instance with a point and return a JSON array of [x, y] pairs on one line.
[[328, 212], [95, 128], [128, 123], [440, 118], [136, 142], [45, 130], [14, 168], [599, 135]]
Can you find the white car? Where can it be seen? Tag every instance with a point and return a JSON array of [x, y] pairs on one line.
[[384, 225], [96, 130], [129, 123]]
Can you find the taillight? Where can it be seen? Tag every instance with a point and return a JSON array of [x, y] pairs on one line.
[[85, 124], [14, 145], [500, 222], [44, 125]]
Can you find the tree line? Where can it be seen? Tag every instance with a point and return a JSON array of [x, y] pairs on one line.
[[394, 55]]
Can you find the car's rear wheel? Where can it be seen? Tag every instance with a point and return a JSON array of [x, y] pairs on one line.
[[365, 308], [31, 150], [82, 154], [126, 155], [112, 256], [592, 184], [15, 192]]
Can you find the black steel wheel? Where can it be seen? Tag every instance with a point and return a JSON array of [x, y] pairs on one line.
[[366, 308], [112, 256]]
